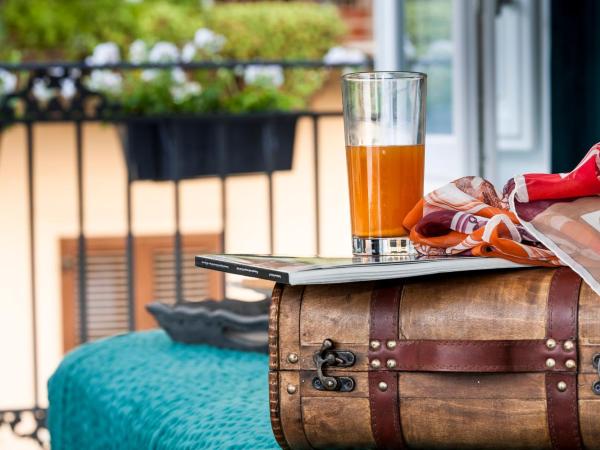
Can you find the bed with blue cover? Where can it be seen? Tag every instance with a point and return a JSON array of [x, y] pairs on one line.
[[144, 391]]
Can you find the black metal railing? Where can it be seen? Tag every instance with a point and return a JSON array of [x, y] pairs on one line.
[[21, 107]]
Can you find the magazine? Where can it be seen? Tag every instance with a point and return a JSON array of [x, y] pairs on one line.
[[315, 270]]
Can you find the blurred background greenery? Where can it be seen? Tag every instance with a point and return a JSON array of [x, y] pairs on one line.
[[58, 30], [70, 29]]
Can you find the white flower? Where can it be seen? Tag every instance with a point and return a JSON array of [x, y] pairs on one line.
[[184, 91], [8, 82], [105, 81], [105, 53], [41, 91], [149, 74], [239, 70], [56, 71], [75, 73], [178, 75], [188, 52], [271, 74], [340, 55], [164, 52], [138, 52], [203, 37], [68, 88], [209, 41]]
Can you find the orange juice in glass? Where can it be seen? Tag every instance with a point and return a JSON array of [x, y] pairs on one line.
[[384, 122]]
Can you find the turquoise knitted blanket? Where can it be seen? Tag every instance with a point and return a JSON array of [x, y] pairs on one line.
[[143, 391]]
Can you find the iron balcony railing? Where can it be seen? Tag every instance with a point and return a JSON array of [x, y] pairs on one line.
[[33, 113]]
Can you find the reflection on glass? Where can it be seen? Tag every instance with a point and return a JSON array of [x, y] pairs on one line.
[[428, 48]]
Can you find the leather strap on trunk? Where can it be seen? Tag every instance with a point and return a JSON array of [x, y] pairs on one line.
[[473, 356], [384, 397], [561, 388], [556, 356]]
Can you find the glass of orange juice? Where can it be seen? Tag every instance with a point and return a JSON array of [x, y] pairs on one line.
[[384, 123]]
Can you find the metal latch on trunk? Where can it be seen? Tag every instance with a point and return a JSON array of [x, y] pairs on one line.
[[596, 364], [326, 357]]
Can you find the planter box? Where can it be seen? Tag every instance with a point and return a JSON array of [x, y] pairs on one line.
[[209, 146]]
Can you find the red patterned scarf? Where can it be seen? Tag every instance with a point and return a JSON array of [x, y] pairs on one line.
[[539, 219]]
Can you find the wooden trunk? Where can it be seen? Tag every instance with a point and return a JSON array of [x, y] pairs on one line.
[[498, 401]]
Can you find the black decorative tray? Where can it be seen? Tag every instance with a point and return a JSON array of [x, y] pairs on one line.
[[235, 324]]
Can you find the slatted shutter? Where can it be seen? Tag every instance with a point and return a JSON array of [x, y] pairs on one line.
[[107, 281]]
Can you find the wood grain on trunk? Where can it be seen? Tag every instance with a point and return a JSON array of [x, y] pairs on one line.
[[438, 410]]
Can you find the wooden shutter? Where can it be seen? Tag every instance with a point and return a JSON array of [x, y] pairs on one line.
[[154, 278]]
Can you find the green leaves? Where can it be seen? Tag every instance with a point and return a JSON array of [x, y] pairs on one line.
[[261, 98], [63, 29], [219, 91], [272, 30], [71, 29]]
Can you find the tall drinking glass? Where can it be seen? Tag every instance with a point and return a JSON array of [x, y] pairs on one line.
[[384, 122]]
